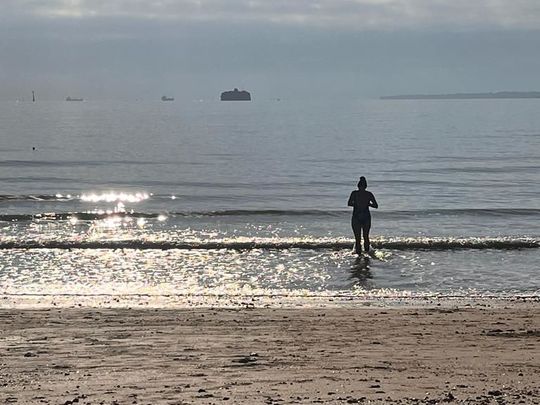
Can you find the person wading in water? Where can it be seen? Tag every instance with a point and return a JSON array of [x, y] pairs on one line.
[[361, 200]]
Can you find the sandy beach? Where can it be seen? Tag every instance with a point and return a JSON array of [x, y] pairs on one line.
[[451, 354]]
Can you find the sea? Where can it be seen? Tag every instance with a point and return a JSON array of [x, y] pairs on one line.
[[208, 203]]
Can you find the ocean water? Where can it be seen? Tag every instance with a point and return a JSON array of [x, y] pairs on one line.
[[207, 198]]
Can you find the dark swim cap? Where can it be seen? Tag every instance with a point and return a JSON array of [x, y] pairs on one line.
[[362, 183]]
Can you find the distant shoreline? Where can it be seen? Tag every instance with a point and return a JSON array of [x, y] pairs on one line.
[[465, 96]]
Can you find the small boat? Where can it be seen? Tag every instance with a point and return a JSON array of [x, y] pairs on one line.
[[165, 98], [68, 98]]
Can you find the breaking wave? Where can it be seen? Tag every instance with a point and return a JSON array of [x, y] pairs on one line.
[[91, 215], [282, 244]]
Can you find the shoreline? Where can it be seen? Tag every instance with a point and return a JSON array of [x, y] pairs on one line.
[[252, 301], [483, 353]]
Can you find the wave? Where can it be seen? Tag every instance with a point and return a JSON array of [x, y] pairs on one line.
[[80, 216], [399, 214], [37, 197], [92, 216], [491, 212], [265, 212], [283, 244], [476, 169], [73, 163], [381, 214]]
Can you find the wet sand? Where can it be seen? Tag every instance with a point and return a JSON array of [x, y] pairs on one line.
[[485, 354]]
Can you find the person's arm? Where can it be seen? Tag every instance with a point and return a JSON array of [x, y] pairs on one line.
[[373, 202], [351, 200]]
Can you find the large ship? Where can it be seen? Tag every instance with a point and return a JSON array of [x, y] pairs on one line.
[[236, 95], [165, 98], [69, 98]]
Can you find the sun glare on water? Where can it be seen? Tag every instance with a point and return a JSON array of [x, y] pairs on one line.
[[115, 197]]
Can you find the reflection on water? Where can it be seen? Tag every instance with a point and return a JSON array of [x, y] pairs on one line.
[[239, 185], [267, 272], [360, 271], [109, 245]]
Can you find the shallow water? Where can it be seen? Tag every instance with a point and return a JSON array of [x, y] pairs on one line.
[[209, 198]]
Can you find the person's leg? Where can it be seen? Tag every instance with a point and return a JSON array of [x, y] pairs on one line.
[[365, 230], [357, 229]]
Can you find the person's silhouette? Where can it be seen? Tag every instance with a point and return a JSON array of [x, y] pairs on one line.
[[361, 200]]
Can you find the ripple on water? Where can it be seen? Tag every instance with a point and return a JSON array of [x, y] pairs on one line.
[[263, 272]]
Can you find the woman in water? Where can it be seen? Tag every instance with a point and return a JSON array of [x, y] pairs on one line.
[[361, 200]]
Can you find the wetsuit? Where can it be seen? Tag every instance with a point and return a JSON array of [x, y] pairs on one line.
[[361, 218]]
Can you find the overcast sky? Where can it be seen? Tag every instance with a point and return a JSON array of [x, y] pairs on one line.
[[275, 48]]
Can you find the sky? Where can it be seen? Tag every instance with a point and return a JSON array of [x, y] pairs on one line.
[[194, 49]]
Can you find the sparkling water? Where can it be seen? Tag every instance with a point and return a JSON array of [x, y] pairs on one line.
[[249, 199]]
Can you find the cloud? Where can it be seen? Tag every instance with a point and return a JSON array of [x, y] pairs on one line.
[[350, 14], [278, 48]]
